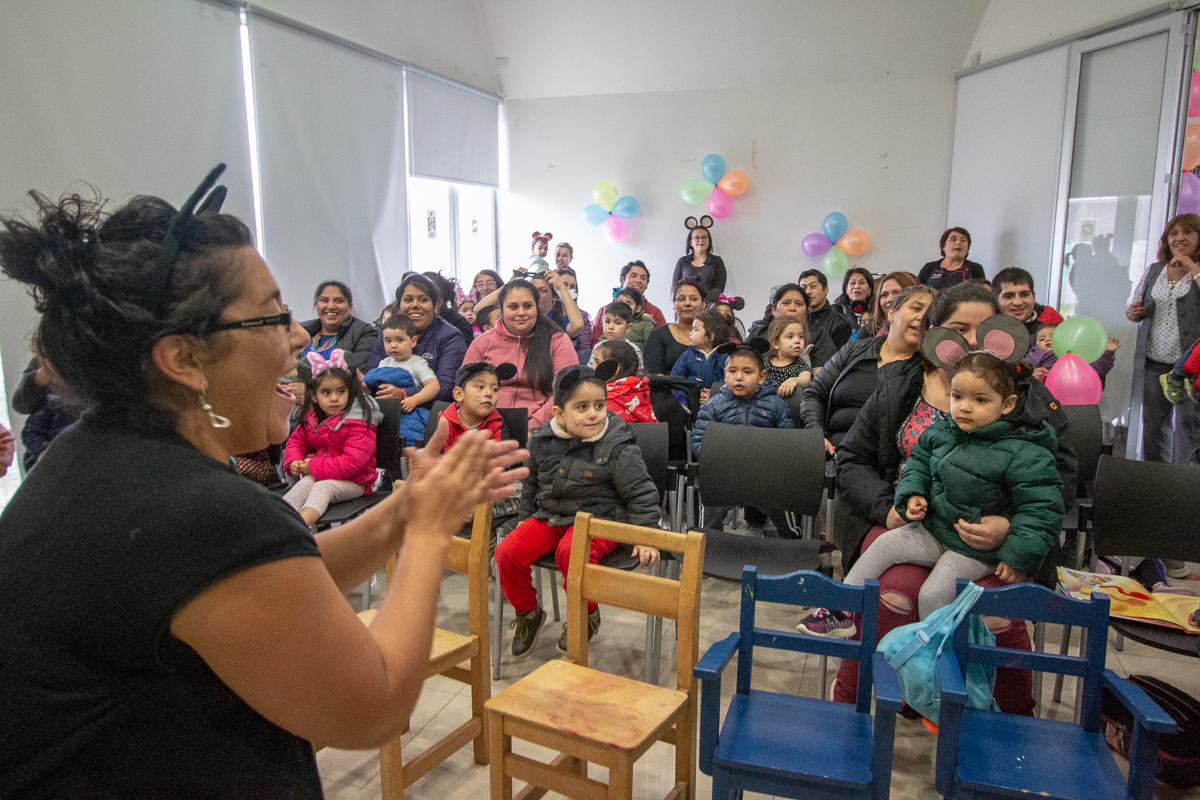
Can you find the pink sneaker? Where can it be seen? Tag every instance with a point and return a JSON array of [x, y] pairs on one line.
[[823, 622]]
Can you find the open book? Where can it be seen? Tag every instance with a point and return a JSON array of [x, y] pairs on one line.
[[1129, 599]]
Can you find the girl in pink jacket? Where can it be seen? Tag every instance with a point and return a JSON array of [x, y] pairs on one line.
[[539, 349], [333, 448]]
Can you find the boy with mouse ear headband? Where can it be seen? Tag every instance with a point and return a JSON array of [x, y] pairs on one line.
[[978, 462]]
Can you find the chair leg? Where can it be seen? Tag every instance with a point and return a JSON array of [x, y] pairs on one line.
[[500, 745], [391, 771], [366, 596], [554, 593], [653, 637], [497, 633], [1083, 646], [537, 587], [1063, 649], [481, 692], [620, 780], [1039, 646]]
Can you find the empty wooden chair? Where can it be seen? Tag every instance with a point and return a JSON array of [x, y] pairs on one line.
[[591, 716]]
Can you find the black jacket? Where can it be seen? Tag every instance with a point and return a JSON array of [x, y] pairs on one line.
[[844, 306], [711, 276], [814, 405], [354, 338], [29, 396], [869, 458], [970, 271], [828, 319]]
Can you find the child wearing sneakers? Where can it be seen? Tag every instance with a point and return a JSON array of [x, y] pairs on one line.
[[1181, 382], [584, 459], [974, 464], [628, 392], [476, 387]]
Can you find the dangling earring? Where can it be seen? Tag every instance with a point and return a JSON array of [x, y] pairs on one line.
[[215, 419]]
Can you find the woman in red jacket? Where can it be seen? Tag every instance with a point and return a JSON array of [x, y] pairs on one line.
[[539, 349], [333, 448]]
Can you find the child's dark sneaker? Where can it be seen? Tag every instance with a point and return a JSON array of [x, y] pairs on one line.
[[824, 622], [525, 630], [593, 626], [1172, 386], [1189, 386]]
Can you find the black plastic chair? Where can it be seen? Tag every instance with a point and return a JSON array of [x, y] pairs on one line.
[[781, 470], [515, 419], [1085, 432]]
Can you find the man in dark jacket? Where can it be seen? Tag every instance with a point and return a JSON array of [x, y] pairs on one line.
[[822, 316]]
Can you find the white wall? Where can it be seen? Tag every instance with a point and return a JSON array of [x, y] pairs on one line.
[[876, 151], [1010, 26]]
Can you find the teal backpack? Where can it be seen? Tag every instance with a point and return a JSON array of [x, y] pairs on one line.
[[913, 650]]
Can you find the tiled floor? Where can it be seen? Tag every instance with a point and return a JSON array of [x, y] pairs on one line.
[[618, 648]]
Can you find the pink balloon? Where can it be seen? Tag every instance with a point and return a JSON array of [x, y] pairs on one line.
[[719, 203], [1189, 194], [1073, 382], [1194, 96], [614, 229], [815, 245]]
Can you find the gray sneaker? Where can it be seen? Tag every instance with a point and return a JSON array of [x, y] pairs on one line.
[[593, 626], [1172, 386], [525, 631]]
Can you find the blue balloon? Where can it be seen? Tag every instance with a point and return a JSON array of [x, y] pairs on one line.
[[594, 215], [835, 226], [625, 207], [713, 167]]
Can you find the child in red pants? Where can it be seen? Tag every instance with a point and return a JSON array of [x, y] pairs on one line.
[[584, 459]]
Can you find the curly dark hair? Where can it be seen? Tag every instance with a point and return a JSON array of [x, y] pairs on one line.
[[87, 272]]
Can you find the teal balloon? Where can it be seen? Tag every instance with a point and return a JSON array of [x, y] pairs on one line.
[[695, 191], [835, 225], [835, 261], [594, 215], [712, 168], [625, 207], [1083, 336]]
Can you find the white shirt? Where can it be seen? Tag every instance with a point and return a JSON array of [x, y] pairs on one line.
[[1164, 345]]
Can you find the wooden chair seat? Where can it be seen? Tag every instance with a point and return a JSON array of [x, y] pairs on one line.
[[449, 648], [604, 709]]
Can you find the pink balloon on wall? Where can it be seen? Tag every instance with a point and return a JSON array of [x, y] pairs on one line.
[[1073, 382], [719, 203], [815, 244], [1194, 96], [614, 228], [1189, 194]]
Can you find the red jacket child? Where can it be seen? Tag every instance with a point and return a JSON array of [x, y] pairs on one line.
[[629, 399], [493, 424], [340, 448]]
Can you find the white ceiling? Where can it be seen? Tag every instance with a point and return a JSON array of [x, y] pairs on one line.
[[556, 48]]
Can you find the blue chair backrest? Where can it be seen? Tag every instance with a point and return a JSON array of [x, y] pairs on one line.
[[1029, 601], [808, 588]]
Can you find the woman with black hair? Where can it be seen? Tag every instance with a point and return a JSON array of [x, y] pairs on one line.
[[206, 643], [858, 294], [698, 262], [446, 309], [335, 328], [666, 344], [539, 348], [438, 342]]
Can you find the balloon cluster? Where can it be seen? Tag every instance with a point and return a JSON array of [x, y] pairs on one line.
[[719, 186], [1189, 184], [835, 243], [610, 211], [1078, 341]]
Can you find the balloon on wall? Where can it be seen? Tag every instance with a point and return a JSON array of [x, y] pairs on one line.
[[1189, 194], [1073, 382], [835, 243], [610, 211], [1081, 336], [1194, 95], [719, 186], [1191, 147]]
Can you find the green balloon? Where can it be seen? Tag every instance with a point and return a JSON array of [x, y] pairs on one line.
[[1083, 336], [695, 190], [835, 261]]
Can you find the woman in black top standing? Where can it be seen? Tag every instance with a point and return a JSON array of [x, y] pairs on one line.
[[953, 267], [699, 263], [205, 645]]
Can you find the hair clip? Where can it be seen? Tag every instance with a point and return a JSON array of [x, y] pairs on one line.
[[180, 226], [691, 223]]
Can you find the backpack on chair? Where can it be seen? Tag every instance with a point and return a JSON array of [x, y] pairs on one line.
[[1179, 752]]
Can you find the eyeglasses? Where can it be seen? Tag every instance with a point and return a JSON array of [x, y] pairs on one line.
[[284, 319]]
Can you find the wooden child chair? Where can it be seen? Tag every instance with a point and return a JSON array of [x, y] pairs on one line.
[[790, 746], [449, 651], [589, 715], [988, 754]]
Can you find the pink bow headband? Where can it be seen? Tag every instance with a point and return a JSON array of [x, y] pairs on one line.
[[319, 363], [724, 298]]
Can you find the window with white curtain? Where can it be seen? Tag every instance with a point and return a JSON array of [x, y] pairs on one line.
[[452, 228], [454, 132]]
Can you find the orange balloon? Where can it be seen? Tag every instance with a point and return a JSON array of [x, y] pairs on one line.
[[735, 181], [1191, 148], [855, 243]]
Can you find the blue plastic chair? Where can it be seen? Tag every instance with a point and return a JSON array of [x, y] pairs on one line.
[[789, 746], [986, 754]]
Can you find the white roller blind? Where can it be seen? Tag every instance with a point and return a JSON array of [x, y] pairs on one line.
[[454, 132], [331, 144], [132, 97], [1008, 127]]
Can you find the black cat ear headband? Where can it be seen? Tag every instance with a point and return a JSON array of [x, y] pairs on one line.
[[571, 376], [504, 372], [180, 226], [704, 223], [1001, 336], [757, 347]]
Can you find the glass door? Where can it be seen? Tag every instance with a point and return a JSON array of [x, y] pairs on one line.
[[1117, 184]]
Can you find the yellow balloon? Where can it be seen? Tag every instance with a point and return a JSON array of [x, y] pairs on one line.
[[605, 195]]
